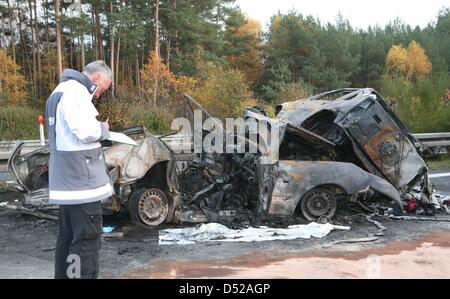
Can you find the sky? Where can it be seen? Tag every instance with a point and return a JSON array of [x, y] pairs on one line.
[[360, 13]]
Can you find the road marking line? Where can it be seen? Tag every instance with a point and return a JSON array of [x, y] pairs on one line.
[[439, 175]]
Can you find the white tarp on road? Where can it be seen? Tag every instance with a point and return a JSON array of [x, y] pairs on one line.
[[214, 232]]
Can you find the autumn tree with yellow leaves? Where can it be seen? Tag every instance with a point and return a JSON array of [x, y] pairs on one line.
[[223, 92], [418, 97], [156, 70], [396, 60], [411, 63], [418, 62], [169, 86], [12, 82]]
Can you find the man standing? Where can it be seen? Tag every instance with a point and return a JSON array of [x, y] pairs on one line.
[[78, 177]]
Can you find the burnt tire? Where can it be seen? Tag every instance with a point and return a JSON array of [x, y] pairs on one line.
[[40, 181], [148, 206], [319, 204]]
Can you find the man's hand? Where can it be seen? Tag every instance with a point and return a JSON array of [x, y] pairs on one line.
[[106, 123], [105, 130]]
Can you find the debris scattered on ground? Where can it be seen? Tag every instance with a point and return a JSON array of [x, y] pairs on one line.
[[380, 227], [118, 235], [376, 223], [49, 249], [27, 211], [411, 206], [358, 240], [213, 232], [419, 218], [108, 229]]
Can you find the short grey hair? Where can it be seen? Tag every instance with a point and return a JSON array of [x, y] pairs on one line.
[[98, 66]]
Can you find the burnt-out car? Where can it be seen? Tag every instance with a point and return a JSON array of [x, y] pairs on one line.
[[363, 131], [150, 164], [156, 182]]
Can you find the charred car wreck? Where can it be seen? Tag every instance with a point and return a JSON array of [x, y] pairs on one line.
[[366, 132], [344, 145]]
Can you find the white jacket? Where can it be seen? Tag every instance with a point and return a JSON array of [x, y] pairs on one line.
[[77, 168], [77, 128]]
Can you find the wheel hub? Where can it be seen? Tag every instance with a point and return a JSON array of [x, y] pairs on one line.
[[153, 208], [318, 203]]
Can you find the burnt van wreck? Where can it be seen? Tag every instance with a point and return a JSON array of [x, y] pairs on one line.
[[341, 146]]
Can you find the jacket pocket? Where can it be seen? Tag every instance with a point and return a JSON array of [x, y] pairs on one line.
[[93, 220], [67, 171], [96, 169]]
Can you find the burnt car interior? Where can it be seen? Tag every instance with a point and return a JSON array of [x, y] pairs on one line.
[[223, 186]]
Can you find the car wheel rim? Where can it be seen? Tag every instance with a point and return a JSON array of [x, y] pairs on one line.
[[318, 203], [153, 207]]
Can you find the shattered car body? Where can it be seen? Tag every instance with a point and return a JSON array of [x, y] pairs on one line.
[[308, 172], [130, 168], [364, 131], [307, 176], [319, 185]]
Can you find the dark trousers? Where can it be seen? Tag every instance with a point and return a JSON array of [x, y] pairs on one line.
[[78, 242]]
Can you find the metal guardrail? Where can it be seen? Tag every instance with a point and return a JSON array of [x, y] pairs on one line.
[[427, 136], [434, 139], [175, 142], [7, 147], [429, 140]]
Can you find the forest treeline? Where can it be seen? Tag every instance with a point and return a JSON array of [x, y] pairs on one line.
[[159, 49]]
